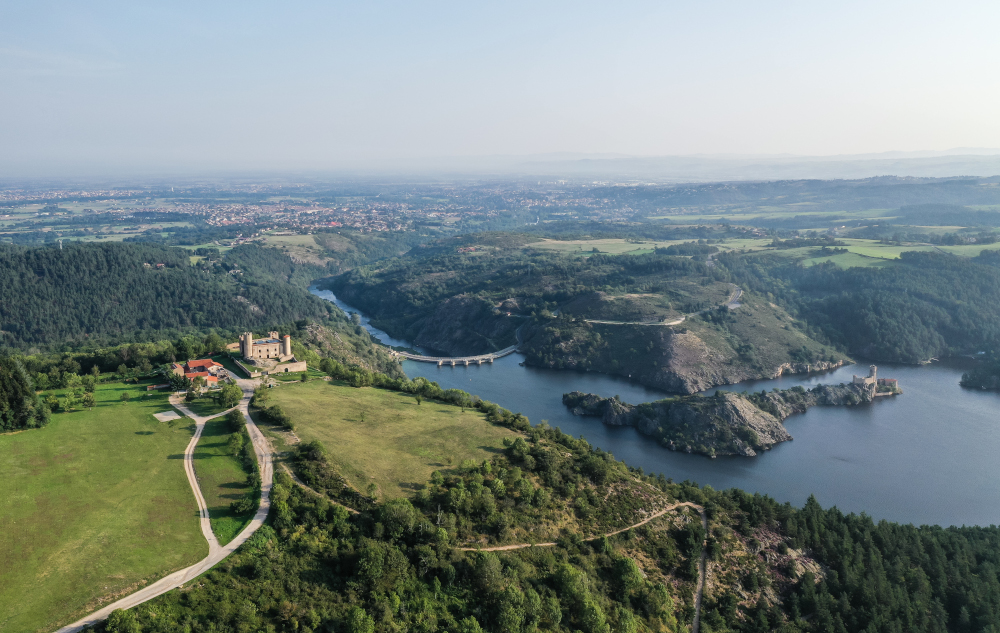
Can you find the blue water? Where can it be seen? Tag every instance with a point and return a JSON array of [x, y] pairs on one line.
[[927, 456]]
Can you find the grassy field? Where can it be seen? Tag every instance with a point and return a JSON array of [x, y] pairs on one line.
[[848, 260], [802, 210], [872, 248], [385, 437], [205, 406], [610, 246], [94, 504], [303, 247], [221, 478], [970, 250]]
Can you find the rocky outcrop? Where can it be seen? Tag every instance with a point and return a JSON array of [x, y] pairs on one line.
[[782, 404], [727, 424], [723, 424]]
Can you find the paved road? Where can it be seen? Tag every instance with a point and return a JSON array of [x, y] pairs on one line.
[[216, 552]]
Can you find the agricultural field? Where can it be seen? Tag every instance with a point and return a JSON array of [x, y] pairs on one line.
[[301, 247], [95, 504], [609, 246], [848, 260], [800, 210], [385, 437], [221, 478], [872, 248], [970, 250]]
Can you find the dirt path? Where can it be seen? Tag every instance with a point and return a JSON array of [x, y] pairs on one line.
[[300, 483], [732, 303], [701, 565], [216, 552], [701, 572]]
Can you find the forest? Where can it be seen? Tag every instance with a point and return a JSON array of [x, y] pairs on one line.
[[100, 294], [926, 305]]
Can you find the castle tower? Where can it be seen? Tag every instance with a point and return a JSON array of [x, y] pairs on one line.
[[246, 344], [273, 335], [286, 346], [872, 370]]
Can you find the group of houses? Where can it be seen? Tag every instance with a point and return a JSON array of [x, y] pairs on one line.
[[205, 368]]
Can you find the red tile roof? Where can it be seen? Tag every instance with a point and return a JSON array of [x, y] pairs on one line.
[[205, 362]]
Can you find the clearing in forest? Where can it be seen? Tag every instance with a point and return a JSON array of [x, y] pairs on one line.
[[385, 437], [94, 504]]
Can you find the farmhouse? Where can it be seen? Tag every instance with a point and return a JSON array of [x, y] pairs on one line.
[[205, 368]]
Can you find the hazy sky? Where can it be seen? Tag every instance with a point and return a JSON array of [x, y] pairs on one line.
[[279, 85]]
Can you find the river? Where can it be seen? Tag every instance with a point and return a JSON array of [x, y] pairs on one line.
[[928, 456]]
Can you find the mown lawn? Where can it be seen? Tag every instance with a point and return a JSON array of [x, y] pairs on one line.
[[93, 504], [205, 406], [222, 480], [385, 437]]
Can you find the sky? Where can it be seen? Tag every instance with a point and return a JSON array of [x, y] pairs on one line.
[[180, 86]]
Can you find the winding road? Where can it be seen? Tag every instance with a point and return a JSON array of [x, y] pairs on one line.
[[701, 564], [216, 552]]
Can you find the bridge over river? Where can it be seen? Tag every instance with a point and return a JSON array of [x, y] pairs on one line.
[[459, 360]]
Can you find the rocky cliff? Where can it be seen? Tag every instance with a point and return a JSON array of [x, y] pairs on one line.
[[723, 424]]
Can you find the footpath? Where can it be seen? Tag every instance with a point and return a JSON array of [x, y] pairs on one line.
[[701, 565]]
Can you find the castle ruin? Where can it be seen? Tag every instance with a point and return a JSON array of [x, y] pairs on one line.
[[870, 379]]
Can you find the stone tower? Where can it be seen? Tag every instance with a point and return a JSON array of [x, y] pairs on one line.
[[246, 344], [286, 346]]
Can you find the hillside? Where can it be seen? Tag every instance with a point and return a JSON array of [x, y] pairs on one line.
[[466, 552], [927, 304], [596, 313], [110, 292], [722, 346]]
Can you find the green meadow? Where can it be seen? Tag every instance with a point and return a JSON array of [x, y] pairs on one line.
[[385, 437], [221, 479], [96, 504]]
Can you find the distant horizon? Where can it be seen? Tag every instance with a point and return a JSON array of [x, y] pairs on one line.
[[666, 169]]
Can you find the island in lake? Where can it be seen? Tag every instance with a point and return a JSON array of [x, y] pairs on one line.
[[727, 423]]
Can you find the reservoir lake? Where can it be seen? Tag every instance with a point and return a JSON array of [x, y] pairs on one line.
[[929, 456]]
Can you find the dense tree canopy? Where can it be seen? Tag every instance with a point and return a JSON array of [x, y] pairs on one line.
[[98, 293], [922, 306], [20, 407]]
